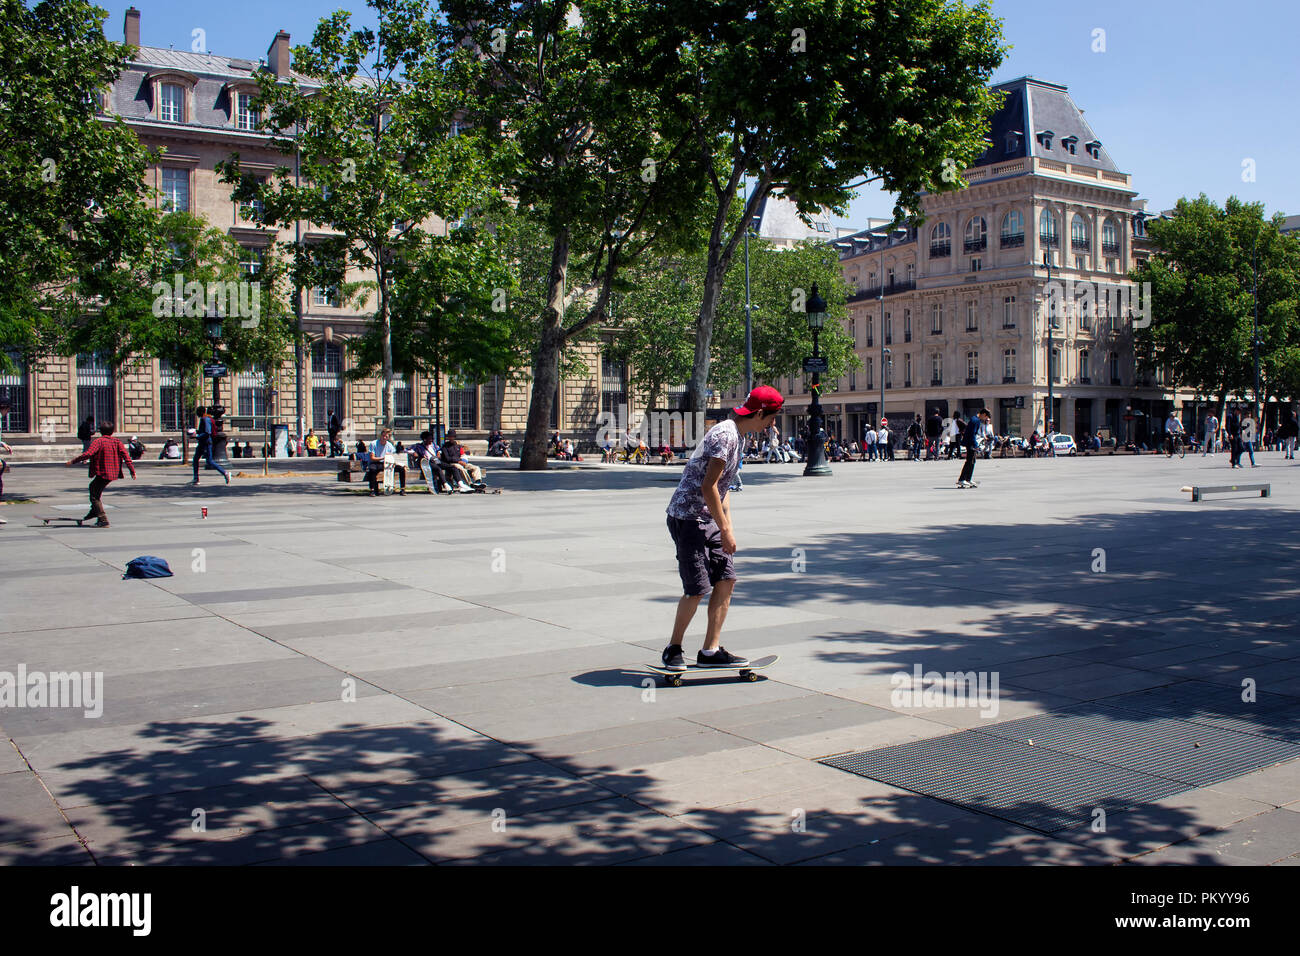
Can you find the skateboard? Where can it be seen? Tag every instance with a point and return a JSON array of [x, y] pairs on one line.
[[48, 518], [674, 678], [389, 462]]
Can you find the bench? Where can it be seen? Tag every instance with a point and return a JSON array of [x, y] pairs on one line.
[[352, 471], [1199, 491]]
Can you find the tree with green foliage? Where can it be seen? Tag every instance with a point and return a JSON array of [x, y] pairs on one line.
[[1202, 273], [607, 170], [453, 310], [383, 159], [655, 319], [153, 305], [73, 198], [812, 99]]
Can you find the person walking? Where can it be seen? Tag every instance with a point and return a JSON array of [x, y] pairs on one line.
[[106, 455], [971, 441], [1232, 424], [699, 521], [333, 429], [1211, 433], [86, 432], [204, 434], [1287, 435]]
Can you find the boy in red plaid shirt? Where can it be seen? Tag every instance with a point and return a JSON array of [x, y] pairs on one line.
[[106, 455]]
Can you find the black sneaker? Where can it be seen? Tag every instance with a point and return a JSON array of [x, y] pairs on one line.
[[720, 658], [673, 659]]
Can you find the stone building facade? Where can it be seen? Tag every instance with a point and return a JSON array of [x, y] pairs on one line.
[[954, 314]]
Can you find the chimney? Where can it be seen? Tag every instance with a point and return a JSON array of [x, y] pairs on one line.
[[277, 57], [132, 34]]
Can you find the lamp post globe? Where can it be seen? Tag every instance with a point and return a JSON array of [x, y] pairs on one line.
[[815, 309]]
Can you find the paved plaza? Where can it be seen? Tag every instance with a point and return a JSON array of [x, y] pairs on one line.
[[335, 679]]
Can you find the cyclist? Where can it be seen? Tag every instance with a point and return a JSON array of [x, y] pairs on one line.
[[1173, 429]]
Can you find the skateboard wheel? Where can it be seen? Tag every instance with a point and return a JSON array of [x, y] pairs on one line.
[[748, 675]]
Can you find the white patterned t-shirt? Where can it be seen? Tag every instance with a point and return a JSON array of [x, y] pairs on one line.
[[721, 441]]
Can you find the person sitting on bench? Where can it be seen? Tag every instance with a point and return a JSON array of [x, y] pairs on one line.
[[379, 448], [452, 456], [424, 456]]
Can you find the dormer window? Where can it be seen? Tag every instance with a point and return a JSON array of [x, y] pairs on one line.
[[1045, 138], [1069, 143], [171, 105], [1013, 141], [1093, 148], [247, 117], [172, 91]]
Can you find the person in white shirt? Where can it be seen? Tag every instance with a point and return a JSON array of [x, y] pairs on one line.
[[1211, 436], [1173, 427], [882, 442], [870, 453], [379, 448]]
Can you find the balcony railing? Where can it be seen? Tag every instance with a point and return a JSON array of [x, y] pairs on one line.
[[1080, 245], [1110, 249], [938, 331], [940, 250], [1008, 325], [935, 382], [1049, 242], [972, 380], [975, 245], [870, 341], [874, 291], [907, 383], [1008, 380], [907, 337], [889, 338], [1013, 241], [1085, 380], [889, 385]]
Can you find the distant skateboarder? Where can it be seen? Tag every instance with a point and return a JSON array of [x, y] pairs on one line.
[[106, 455], [699, 521], [971, 440]]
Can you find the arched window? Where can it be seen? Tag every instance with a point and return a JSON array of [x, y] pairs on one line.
[[1013, 230], [976, 235], [13, 393], [326, 383], [940, 241], [1109, 238], [1079, 234], [1048, 236], [95, 391]]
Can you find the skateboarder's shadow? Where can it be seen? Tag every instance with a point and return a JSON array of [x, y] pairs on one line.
[[631, 677]]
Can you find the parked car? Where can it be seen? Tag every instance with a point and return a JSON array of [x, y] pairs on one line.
[[1063, 444]]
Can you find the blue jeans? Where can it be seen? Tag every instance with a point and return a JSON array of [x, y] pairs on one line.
[[204, 450], [1249, 448]]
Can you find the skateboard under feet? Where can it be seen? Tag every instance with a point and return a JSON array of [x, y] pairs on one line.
[[746, 671]]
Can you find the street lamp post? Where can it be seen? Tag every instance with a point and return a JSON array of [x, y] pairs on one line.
[[1257, 412], [212, 330], [816, 312], [749, 332], [883, 352]]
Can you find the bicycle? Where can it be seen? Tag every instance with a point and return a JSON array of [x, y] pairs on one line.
[[638, 456], [1177, 442]]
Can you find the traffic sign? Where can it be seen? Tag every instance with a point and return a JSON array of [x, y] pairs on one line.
[[819, 364], [214, 370]]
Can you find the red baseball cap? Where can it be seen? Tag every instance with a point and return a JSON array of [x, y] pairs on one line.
[[762, 399]]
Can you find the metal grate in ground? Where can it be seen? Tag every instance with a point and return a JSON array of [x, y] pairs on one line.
[[1219, 705], [1081, 758]]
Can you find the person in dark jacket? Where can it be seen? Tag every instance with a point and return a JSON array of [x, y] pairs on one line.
[[1232, 425], [1287, 434], [970, 440]]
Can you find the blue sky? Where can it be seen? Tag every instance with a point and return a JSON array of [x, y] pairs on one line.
[[1185, 91]]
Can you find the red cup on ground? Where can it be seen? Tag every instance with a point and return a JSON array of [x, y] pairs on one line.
[[205, 512]]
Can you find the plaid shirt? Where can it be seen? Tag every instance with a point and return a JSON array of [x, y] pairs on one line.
[[106, 455]]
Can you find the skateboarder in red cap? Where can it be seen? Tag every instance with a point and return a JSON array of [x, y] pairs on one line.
[[699, 521]]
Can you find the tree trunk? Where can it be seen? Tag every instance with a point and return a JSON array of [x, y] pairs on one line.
[[721, 251], [386, 323], [546, 366]]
